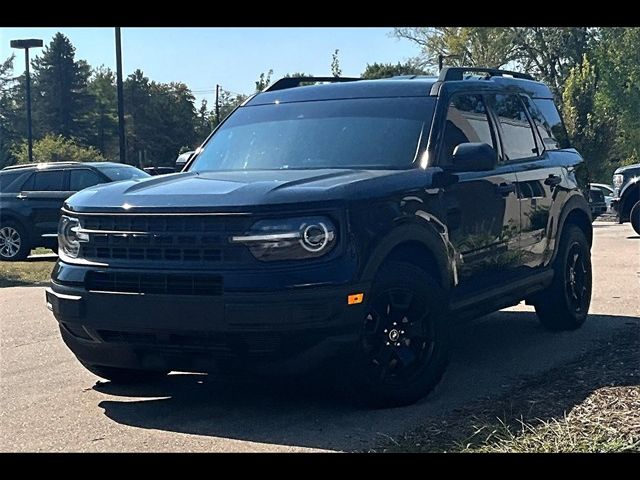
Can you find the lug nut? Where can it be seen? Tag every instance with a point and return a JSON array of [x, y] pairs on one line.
[[398, 344], [388, 343]]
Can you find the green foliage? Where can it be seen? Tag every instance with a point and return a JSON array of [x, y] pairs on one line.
[[61, 101], [9, 113], [102, 131], [336, 71], [264, 80], [387, 70], [56, 148]]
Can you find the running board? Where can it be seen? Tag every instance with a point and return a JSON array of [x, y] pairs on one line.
[[488, 301]]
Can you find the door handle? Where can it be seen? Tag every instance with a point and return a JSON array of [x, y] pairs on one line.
[[505, 189], [21, 196], [552, 180]]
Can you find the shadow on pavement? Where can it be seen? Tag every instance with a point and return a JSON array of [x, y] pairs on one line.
[[490, 357]]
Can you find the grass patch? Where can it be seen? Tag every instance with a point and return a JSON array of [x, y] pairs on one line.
[[589, 405], [31, 272]]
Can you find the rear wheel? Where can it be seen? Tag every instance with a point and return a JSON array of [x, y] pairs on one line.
[[404, 338], [14, 242], [635, 217], [125, 375], [565, 303]]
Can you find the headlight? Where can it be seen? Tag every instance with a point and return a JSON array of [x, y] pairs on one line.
[[290, 239], [69, 236]]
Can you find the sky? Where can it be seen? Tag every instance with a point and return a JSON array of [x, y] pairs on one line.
[[231, 57]]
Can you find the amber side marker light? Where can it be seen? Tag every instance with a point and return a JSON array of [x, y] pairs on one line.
[[355, 298]]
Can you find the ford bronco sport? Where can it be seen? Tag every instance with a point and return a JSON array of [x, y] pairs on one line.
[[351, 221]]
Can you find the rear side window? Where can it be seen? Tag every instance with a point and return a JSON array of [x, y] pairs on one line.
[[467, 122], [6, 180], [83, 178], [553, 133], [50, 181], [518, 140]]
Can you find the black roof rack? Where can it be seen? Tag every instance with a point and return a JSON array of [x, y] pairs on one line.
[[291, 82], [457, 73], [47, 164]]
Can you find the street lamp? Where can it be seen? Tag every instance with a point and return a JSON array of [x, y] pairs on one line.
[[26, 45]]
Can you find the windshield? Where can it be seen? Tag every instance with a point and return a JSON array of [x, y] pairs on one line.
[[123, 173], [354, 133]]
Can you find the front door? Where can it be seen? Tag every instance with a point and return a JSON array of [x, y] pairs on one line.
[[46, 191], [483, 212]]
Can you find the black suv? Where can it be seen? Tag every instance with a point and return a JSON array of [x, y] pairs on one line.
[[626, 182], [31, 197], [345, 224]]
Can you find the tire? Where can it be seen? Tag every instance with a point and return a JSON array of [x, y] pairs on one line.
[[634, 217], [399, 363], [125, 375], [564, 305], [14, 242]]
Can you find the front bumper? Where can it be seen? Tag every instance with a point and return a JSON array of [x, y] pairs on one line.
[[293, 329]]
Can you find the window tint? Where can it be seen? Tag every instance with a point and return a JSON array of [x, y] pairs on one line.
[[554, 129], [6, 180], [350, 133], [83, 178], [517, 136], [124, 172], [467, 122], [48, 181]]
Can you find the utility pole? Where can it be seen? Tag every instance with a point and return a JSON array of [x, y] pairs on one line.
[[123, 150], [26, 45], [217, 104]]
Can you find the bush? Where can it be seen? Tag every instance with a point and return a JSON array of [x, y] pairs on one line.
[[56, 148]]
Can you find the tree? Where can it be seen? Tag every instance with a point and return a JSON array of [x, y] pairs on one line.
[[386, 70], [56, 148], [61, 100], [11, 121], [465, 46], [264, 81], [336, 71], [590, 127], [102, 128]]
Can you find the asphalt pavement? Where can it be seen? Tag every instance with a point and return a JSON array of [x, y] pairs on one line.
[[48, 402]]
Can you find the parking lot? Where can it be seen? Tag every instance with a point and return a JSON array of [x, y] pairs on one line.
[[50, 403]]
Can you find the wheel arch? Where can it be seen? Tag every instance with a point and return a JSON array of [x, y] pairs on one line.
[[575, 212], [628, 198], [418, 244]]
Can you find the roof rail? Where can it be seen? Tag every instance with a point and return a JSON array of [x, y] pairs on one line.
[[28, 165], [457, 73], [291, 82]]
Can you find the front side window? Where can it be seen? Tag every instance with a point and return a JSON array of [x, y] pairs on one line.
[[377, 133], [518, 140], [467, 122], [83, 178], [50, 181]]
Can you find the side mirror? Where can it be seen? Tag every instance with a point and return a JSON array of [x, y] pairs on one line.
[[474, 157]]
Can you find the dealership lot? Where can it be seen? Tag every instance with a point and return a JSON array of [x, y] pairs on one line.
[[50, 403]]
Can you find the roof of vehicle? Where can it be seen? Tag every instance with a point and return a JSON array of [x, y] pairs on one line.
[[627, 167], [287, 90], [46, 165]]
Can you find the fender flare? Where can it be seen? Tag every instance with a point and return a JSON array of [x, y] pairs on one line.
[[422, 233], [631, 186], [576, 202]]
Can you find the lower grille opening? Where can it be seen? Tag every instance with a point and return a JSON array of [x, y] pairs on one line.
[[154, 283], [76, 331]]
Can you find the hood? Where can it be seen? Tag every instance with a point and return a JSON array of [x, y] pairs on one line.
[[236, 189]]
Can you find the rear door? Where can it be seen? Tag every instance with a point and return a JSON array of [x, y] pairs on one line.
[[528, 144], [46, 191], [483, 212]]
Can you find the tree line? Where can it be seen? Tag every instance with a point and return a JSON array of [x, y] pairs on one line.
[[593, 72]]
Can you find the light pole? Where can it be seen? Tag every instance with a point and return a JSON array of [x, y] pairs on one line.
[[26, 45], [123, 150]]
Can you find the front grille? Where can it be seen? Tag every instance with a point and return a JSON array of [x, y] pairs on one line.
[[171, 238], [154, 283]]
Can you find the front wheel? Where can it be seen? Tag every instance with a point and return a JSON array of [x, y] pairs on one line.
[[404, 338], [124, 375], [565, 303], [635, 217], [14, 242]]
